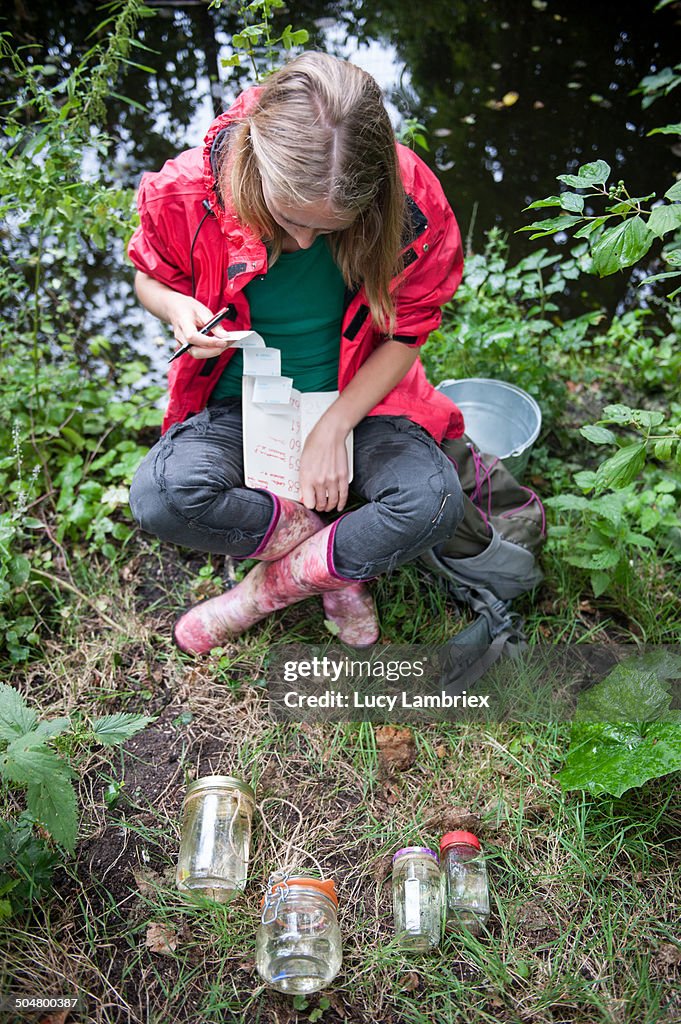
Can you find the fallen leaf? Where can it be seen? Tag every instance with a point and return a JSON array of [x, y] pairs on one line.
[[396, 746], [161, 938], [337, 1004], [666, 961], [455, 819], [382, 868], [534, 918], [392, 794]]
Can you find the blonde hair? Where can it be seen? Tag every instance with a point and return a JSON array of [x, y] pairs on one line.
[[321, 132]]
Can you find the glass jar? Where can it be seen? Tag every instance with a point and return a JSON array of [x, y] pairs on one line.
[[298, 945], [217, 814], [466, 892], [416, 898]]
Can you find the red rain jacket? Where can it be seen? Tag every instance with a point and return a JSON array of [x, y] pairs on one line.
[[184, 227]]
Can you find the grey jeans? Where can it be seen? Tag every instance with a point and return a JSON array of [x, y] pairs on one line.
[[189, 490]]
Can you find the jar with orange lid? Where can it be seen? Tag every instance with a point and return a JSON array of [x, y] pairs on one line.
[[464, 874], [217, 814], [298, 945]]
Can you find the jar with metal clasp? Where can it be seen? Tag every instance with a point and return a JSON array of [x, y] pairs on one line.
[[298, 945]]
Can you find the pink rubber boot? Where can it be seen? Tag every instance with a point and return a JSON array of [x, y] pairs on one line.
[[351, 609], [354, 612], [291, 524], [306, 570]]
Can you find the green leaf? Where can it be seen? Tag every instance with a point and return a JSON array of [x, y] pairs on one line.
[[113, 729], [663, 449], [617, 414], [625, 731], [54, 804], [674, 193], [539, 204], [636, 690], [595, 173], [568, 502], [622, 467], [606, 558], [551, 225], [590, 227], [600, 581], [666, 129], [52, 727], [16, 718], [607, 506], [571, 202], [585, 479], [27, 761], [598, 435], [621, 246], [664, 219], [604, 760], [648, 417]]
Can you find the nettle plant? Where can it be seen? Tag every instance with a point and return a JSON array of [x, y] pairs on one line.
[[613, 517], [40, 757]]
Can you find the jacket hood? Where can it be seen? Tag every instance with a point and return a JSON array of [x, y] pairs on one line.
[[239, 111]]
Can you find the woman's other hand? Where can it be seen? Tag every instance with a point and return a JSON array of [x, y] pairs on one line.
[[324, 467]]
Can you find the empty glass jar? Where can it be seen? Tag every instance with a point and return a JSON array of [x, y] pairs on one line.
[[298, 945], [217, 814], [466, 893], [416, 898]]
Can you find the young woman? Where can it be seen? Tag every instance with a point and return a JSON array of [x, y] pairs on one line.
[[305, 219]]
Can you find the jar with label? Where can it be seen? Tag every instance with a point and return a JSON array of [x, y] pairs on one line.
[[466, 892], [416, 898], [298, 945], [217, 815]]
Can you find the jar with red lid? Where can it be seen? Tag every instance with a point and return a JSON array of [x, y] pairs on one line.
[[298, 945], [465, 885]]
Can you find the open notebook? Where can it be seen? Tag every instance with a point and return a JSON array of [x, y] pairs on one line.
[[276, 419]]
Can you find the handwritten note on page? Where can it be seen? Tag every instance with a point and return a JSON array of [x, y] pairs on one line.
[[276, 419]]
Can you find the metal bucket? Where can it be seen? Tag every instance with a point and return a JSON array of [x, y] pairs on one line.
[[500, 418]]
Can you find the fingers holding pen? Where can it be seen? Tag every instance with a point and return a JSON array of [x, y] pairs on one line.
[[198, 330]]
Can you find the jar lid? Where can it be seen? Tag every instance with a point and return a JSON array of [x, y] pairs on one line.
[[416, 849], [326, 888], [219, 782], [459, 839]]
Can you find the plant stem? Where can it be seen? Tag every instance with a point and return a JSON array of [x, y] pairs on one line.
[[79, 593]]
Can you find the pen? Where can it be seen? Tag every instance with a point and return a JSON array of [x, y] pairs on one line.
[[202, 330]]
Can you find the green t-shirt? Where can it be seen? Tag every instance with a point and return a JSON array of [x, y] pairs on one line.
[[297, 307]]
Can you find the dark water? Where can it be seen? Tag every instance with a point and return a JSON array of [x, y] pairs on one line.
[[572, 65]]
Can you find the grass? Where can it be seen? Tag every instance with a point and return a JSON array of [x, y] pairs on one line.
[[585, 892]]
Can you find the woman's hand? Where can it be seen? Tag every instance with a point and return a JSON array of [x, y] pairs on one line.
[[324, 467], [187, 316]]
